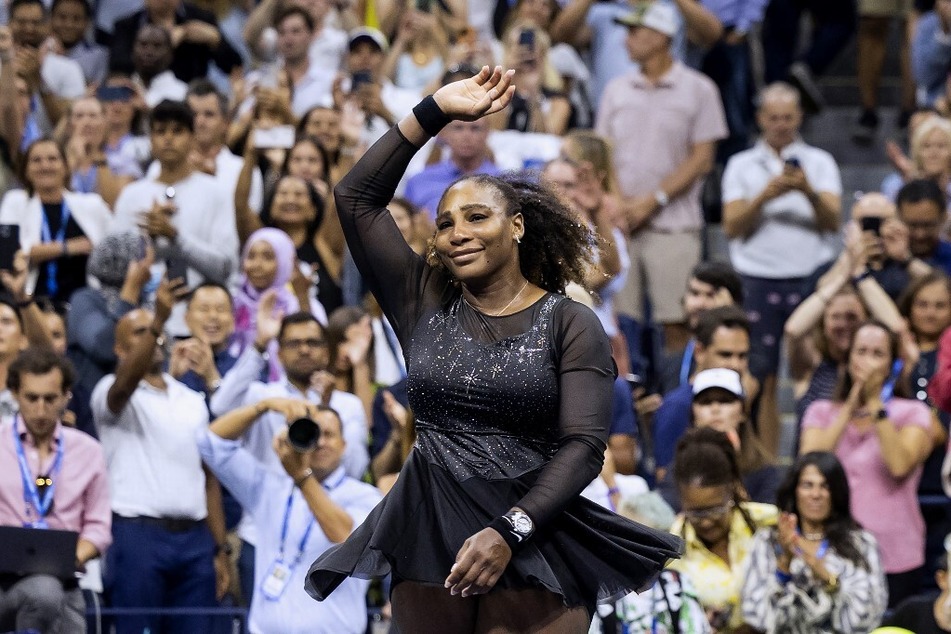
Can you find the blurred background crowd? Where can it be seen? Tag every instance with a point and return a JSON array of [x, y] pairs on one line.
[[773, 264]]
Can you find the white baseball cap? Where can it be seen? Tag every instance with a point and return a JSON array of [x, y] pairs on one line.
[[722, 378], [657, 15]]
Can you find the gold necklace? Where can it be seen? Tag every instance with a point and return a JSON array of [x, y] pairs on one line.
[[497, 314]]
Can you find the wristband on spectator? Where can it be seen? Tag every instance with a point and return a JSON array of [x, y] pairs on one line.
[[301, 480], [431, 119], [782, 577], [861, 276]]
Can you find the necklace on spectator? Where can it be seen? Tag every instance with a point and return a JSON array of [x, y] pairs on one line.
[[813, 537]]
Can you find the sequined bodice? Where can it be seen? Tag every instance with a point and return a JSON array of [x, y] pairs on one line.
[[486, 410]]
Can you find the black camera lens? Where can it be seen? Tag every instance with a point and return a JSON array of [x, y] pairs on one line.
[[303, 434]]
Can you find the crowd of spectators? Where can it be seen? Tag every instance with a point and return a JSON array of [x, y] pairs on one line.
[[176, 288]]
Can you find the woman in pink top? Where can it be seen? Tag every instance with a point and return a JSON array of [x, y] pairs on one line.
[[882, 442]]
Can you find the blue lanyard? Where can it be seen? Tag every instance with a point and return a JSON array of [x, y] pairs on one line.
[[30, 491], [45, 235], [686, 362], [310, 525]]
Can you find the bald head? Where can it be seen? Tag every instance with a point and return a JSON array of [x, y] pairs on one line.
[[129, 324], [873, 205]]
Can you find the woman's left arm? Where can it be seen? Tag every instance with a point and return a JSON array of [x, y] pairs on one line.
[[903, 448]]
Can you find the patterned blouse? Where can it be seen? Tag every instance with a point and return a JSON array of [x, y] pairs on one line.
[[802, 605], [717, 584]]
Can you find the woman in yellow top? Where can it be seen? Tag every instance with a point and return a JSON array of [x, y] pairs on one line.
[[717, 523]]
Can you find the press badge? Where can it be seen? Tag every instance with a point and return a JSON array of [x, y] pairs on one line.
[[276, 580]]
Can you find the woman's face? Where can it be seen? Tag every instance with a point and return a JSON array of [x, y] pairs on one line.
[[475, 237], [934, 155], [403, 220], [88, 120], [45, 169], [292, 206], [260, 265], [842, 316], [931, 311], [306, 162], [813, 500], [718, 409], [871, 352], [324, 125], [56, 329], [709, 510]]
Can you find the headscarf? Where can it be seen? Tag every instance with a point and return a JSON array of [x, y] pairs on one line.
[[247, 298], [109, 263]]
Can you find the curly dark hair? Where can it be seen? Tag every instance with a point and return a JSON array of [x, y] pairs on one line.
[[706, 458], [840, 527], [556, 248]]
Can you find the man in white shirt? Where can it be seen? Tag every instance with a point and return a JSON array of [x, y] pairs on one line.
[[52, 79], [209, 153], [311, 84], [781, 210], [188, 214], [167, 516], [295, 523], [152, 59]]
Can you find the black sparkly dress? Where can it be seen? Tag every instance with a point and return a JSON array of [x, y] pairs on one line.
[[510, 411]]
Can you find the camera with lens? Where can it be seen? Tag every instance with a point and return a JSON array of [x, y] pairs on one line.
[[303, 434]]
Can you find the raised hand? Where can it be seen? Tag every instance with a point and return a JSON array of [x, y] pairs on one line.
[[483, 94], [268, 319], [169, 293], [15, 281]]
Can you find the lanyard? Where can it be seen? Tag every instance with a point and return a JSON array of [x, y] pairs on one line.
[[30, 491], [310, 524], [46, 236], [686, 362]]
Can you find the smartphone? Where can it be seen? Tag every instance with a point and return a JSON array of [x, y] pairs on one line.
[[114, 93], [9, 244], [175, 268], [794, 163], [360, 78], [280, 136], [527, 38], [871, 223]]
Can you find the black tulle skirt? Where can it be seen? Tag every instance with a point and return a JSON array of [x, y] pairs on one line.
[[587, 554]]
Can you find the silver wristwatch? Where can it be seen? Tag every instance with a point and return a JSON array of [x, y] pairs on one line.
[[522, 525]]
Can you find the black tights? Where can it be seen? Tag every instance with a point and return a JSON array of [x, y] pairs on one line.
[[421, 609]]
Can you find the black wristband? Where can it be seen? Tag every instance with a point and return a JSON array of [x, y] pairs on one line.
[[504, 529], [431, 119]]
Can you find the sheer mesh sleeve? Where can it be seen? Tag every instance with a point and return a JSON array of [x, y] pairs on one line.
[[586, 376], [395, 274]]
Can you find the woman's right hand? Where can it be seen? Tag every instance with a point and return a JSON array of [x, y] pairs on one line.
[[787, 538], [485, 93]]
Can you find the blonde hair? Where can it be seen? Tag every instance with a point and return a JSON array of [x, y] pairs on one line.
[[923, 130], [586, 145]]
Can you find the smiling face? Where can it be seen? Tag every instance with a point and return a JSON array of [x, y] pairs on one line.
[[475, 237], [292, 206], [69, 21], [813, 499], [45, 167], [305, 161], [260, 265], [210, 316]]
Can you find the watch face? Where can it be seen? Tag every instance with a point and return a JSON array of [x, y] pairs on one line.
[[522, 523]]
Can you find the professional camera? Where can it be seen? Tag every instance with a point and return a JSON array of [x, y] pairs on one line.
[[303, 434]]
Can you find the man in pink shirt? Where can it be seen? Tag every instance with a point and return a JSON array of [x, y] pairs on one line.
[[664, 121], [51, 476]]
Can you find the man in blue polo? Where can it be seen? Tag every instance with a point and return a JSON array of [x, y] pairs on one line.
[[467, 143]]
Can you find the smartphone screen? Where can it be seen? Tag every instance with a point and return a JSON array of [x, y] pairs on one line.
[[527, 38], [9, 244]]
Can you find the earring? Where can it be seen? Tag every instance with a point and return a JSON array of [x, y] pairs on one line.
[[518, 239]]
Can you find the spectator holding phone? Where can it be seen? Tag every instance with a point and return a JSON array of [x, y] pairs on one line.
[[882, 440], [781, 207], [186, 213], [58, 228]]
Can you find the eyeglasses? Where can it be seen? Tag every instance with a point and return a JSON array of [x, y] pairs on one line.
[[297, 344], [709, 513]]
